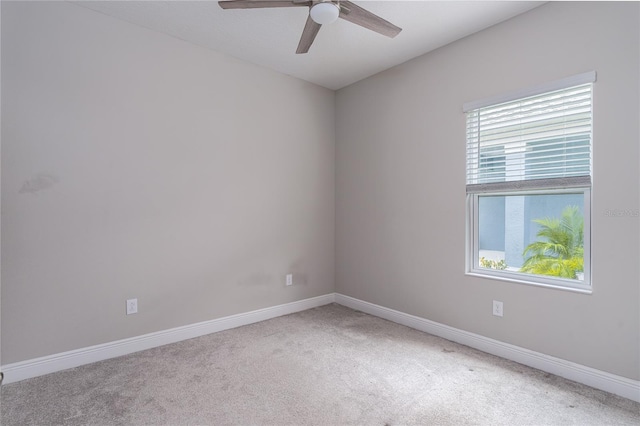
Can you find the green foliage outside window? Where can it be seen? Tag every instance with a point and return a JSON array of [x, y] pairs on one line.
[[561, 252], [493, 264]]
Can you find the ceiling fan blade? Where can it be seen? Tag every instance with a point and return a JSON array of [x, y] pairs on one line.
[[259, 4], [359, 16], [309, 34]]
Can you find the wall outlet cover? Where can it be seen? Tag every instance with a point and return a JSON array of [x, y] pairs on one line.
[[132, 306], [497, 308]]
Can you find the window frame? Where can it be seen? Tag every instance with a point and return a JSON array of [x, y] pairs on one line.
[[570, 185], [472, 253]]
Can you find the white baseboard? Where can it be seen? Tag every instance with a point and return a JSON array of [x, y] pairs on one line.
[[589, 376], [62, 361], [602, 380]]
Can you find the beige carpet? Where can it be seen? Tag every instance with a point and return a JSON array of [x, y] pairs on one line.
[[325, 366]]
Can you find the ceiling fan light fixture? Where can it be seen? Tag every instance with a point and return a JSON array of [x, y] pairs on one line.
[[325, 12]]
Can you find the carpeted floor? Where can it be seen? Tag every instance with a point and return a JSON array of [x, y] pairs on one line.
[[325, 366]]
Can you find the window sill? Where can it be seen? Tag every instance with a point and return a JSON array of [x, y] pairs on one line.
[[518, 280]]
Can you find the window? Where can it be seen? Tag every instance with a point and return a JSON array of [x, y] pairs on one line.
[[529, 185]]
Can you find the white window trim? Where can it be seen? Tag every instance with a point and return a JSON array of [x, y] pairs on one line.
[[563, 83]]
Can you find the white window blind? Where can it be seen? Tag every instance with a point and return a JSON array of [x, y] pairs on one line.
[[541, 141]]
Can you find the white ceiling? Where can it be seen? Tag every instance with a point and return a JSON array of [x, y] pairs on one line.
[[342, 53]]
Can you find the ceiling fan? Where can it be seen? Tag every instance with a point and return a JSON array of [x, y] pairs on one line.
[[321, 12]]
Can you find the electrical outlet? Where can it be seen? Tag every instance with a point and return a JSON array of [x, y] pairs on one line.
[[132, 306], [289, 279], [497, 308]]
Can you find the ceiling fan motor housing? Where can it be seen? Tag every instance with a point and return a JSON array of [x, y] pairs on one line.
[[324, 12]]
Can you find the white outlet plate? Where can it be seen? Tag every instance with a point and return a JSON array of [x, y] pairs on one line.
[[497, 308], [289, 279], [132, 306]]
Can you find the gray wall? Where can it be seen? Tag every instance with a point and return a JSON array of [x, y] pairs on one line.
[[400, 184], [137, 165]]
